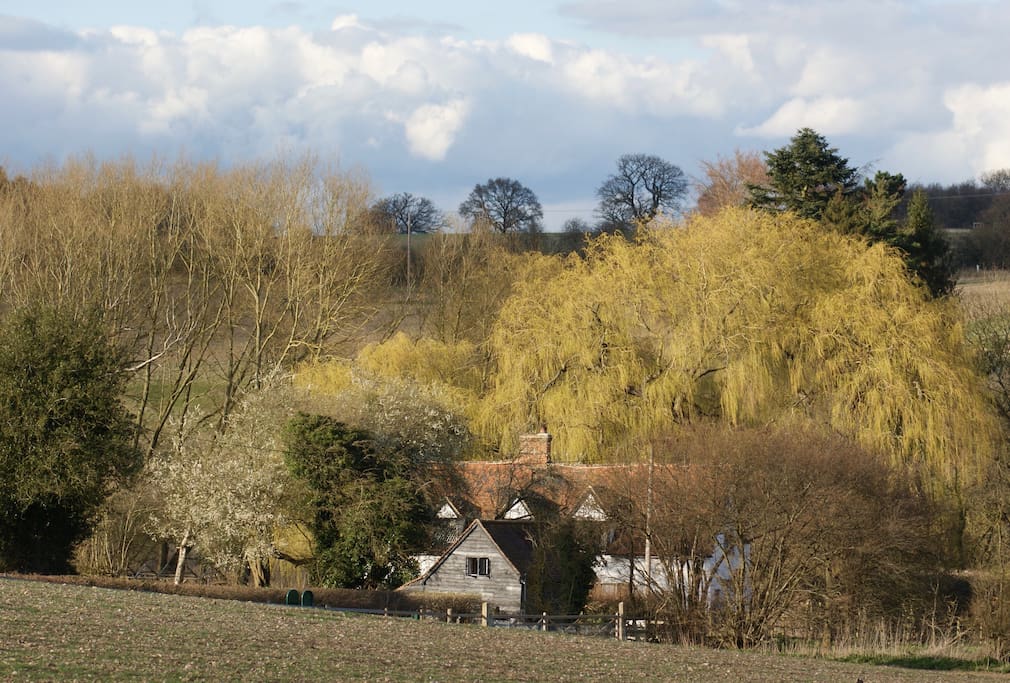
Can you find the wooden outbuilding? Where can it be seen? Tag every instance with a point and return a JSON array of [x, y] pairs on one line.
[[490, 559]]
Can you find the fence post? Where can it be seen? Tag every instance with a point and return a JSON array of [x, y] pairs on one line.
[[620, 621], [484, 614], [448, 615], [543, 621]]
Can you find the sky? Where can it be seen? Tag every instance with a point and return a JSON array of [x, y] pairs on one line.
[[434, 97]]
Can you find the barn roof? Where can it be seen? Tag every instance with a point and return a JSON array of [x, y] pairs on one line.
[[514, 539]]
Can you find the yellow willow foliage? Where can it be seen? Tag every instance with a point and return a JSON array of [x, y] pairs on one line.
[[466, 279], [324, 378], [746, 316], [426, 361], [449, 372]]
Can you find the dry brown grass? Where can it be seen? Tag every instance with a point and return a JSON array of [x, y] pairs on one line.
[[322, 597], [52, 631], [984, 290]]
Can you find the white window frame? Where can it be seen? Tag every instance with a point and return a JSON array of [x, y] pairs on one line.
[[478, 566]]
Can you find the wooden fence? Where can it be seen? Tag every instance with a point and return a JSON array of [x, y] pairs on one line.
[[617, 625]]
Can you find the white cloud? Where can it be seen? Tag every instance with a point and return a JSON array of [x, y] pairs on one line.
[[46, 74], [982, 123], [974, 139], [132, 35], [827, 115], [651, 86], [345, 21], [978, 110], [700, 78], [397, 65], [18, 33], [318, 65], [835, 70], [533, 46], [175, 105], [932, 157], [432, 128], [736, 47]]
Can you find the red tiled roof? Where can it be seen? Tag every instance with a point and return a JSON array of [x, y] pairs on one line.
[[489, 488]]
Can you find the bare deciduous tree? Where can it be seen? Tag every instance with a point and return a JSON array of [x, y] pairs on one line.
[[207, 275], [643, 186], [406, 213], [996, 180], [504, 204], [727, 180], [757, 527]]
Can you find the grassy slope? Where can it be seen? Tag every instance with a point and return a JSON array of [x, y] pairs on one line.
[[63, 632], [988, 288]]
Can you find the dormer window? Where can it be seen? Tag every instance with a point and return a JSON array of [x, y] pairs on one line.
[[518, 510], [590, 508], [478, 566], [447, 511]]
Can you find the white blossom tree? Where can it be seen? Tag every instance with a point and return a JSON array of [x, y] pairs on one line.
[[226, 493]]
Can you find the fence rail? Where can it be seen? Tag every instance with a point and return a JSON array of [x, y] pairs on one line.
[[617, 625]]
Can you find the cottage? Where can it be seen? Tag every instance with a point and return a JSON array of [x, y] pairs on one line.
[[490, 559], [610, 500]]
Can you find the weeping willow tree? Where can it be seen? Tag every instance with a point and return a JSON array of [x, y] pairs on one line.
[[451, 361], [745, 317]]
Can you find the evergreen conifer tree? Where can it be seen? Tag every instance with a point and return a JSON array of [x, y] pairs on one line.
[[804, 176]]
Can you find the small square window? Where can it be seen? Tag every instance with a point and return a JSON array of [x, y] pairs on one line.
[[478, 566]]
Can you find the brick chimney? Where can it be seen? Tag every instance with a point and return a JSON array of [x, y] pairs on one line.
[[535, 449]]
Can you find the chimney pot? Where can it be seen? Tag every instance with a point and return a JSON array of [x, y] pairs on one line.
[[535, 449]]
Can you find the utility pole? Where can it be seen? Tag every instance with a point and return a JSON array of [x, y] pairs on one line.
[[410, 217], [648, 522]]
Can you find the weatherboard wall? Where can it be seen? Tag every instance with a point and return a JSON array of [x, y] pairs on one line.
[[503, 588]]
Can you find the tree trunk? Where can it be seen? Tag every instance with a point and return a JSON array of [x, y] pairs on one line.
[[162, 558], [828, 618], [259, 573], [179, 565]]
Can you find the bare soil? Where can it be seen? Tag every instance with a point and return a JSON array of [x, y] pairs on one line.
[[53, 631]]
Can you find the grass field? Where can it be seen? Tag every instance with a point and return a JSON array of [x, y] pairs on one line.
[[984, 291], [66, 632]]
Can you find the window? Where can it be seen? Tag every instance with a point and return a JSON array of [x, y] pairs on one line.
[[478, 566]]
